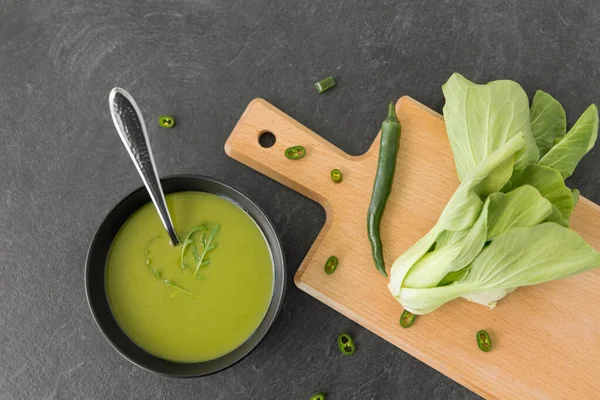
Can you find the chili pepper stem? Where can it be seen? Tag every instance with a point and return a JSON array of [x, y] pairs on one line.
[[392, 112]]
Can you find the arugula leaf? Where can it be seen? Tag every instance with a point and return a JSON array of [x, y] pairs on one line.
[[189, 242], [580, 139], [548, 121], [208, 244], [158, 273], [481, 118]]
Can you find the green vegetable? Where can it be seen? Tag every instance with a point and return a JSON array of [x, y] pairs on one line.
[[166, 121], [180, 288], [481, 118], [548, 121], [157, 272], [483, 341], [456, 244], [507, 224], [384, 178], [295, 152], [318, 396], [331, 265], [189, 242], [208, 244], [346, 344], [407, 319], [336, 176], [325, 84], [575, 194], [549, 183], [580, 139]]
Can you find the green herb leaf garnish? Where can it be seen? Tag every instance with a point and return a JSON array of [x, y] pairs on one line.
[[158, 273], [188, 242], [208, 244], [181, 289]]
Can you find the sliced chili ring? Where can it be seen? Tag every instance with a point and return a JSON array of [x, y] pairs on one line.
[[346, 344], [483, 341], [166, 121], [407, 319], [331, 265], [295, 152], [336, 175]]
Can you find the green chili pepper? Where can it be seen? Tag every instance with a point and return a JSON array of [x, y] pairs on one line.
[[346, 344], [318, 396], [407, 319], [166, 121], [325, 84], [483, 341], [331, 265], [384, 177], [336, 175], [295, 152]]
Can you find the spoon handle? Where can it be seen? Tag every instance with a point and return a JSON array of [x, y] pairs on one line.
[[130, 125]]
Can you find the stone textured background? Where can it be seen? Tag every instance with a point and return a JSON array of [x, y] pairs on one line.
[[63, 165]]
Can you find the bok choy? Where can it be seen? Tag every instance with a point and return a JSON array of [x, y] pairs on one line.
[[507, 224]]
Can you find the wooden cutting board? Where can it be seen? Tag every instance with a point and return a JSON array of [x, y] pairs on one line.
[[546, 338]]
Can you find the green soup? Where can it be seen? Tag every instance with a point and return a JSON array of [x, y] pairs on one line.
[[179, 314]]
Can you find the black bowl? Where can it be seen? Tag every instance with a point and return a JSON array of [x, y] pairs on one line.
[[95, 277]]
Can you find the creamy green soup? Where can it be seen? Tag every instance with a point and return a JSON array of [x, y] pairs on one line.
[[205, 309]]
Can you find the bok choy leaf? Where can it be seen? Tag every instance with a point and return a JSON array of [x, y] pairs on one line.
[[507, 224]]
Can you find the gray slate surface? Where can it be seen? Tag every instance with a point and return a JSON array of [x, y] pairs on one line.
[[63, 166]]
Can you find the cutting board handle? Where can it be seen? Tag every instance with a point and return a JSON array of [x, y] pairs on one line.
[[310, 175]]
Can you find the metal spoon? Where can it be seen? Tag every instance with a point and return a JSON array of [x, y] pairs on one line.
[[130, 125]]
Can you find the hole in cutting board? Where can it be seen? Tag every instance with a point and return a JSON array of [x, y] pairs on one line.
[[266, 139]]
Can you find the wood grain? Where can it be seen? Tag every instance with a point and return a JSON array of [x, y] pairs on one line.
[[545, 337]]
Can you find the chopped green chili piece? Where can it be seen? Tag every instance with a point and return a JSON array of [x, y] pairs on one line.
[[483, 341], [336, 175], [325, 84], [331, 265], [166, 121], [318, 396], [407, 319], [295, 152], [346, 344]]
